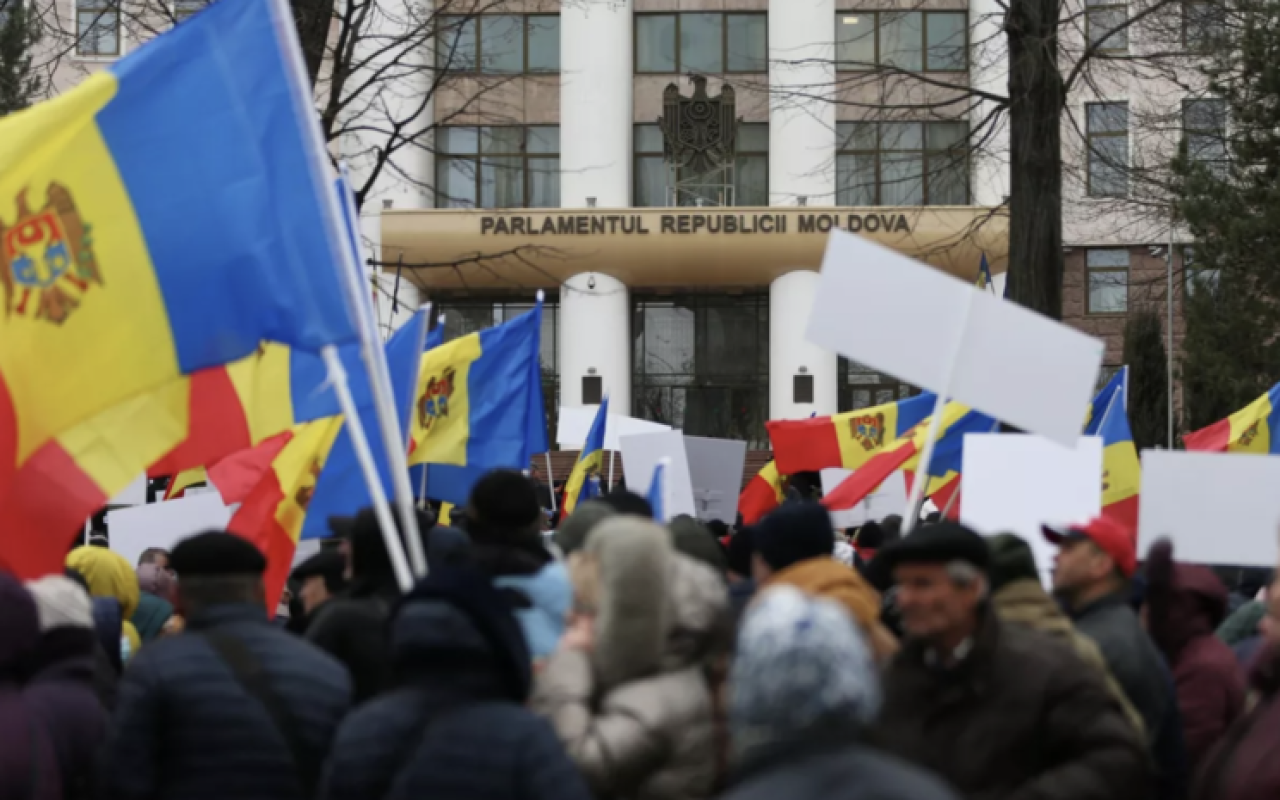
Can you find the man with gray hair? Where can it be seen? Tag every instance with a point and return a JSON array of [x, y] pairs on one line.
[[999, 711]]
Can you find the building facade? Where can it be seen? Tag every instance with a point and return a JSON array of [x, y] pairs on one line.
[[545, 162]]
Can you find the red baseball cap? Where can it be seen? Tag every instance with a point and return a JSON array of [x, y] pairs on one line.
[[1111, 537]]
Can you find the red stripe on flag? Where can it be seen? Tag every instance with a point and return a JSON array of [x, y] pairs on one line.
[[756, 500], [943, 496], [868, 477], [1124, 511], [255, 521], [217, 425], [44, 512], [1213, 439], [236, 476], [804, 445]]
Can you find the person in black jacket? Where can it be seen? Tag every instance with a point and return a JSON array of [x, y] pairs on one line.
[[803, 691], [454, 727], [233, 707]]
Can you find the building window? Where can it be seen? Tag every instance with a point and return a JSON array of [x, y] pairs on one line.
[[499, 44], [183, 9], [1108, 280], [703, 43], [498, 167], [1204, 25], [1105, 26], [1107, 132], [902, 163], [863, 387], [1198, 279], [1204, 128], [462, 317], [701, 364], [928, 41], [751, 171], [97, 28]]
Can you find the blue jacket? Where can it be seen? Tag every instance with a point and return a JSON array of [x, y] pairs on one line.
[[184, 727], [454, 727]]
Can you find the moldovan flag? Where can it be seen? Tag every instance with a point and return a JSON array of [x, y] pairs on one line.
[[761, 495], [474, 403], [273, 513], [588, 461], [1253, 429], [845, 440], [1121, 470], [150, 228], [957, 420]]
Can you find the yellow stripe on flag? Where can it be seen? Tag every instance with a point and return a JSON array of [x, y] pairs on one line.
[[441, 426]]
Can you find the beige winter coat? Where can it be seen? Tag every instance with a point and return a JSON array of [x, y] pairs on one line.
[[636, 714]]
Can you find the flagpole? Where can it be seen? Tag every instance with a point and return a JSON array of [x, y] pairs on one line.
[[360, 443], [926, 457], [394, 441], [422, 493], [610, 470], [551, 479]]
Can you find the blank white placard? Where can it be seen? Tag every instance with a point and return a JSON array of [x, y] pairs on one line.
[[136, 528], [1218, 508], [1010, 363], [715, 470], [574, 423], [1015, 483], [641, 453]]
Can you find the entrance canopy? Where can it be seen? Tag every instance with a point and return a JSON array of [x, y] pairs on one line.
[[673, 247]]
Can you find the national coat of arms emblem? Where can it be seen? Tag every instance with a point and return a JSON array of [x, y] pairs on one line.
[[46, 258], [868, 430]]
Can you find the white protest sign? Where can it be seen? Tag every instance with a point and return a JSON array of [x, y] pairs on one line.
[[136, 528], [575, 423], [952, 338], [1016, 483], [1218, 508], [715, 469], [890, 498], [135, 494], [642, 452]]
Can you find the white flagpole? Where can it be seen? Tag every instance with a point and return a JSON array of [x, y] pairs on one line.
[[381, 508], [394, 441], [551, 483], [422, 489], [610, 487]]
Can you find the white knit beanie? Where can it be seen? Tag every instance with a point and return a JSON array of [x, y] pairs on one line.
[[61, 603]]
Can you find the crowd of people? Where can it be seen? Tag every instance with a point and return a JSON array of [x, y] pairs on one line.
[[616, 657]]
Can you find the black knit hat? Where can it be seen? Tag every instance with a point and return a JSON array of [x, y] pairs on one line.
[[793, 533], [1011, 560], [328, 565], [740, 550], [503, 508], [216, 553]]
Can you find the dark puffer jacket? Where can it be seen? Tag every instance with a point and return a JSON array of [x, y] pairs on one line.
[[186, 727], [454, 726], [1020, 717], [1185, 603]]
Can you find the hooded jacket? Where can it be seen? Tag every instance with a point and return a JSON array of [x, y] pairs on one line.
[[1025, 602], [454, 723], [109, 575], [1243, 765], [1185, 604], [636, 714], [827, 577]]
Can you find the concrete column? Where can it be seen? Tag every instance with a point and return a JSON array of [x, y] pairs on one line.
[[595, 103], [989, 72], [802, 114], [595, 338], [790, 299]]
